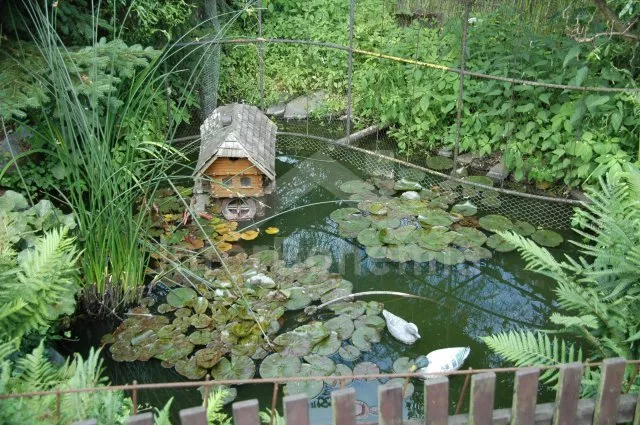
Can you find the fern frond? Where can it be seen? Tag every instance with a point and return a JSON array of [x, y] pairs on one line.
[[524, 348], [588, 320], [215, 416], [36, 371], [163, 416]]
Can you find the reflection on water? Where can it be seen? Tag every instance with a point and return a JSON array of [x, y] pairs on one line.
[[468, 300]]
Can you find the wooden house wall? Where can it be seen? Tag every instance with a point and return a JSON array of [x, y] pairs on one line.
[[226, 168]]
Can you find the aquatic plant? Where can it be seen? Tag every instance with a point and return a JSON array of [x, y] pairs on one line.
[[421, 225], [598, 294]]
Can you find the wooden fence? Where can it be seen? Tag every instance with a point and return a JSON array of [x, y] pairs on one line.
[[609, 407]]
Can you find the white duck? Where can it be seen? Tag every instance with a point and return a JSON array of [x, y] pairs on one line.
[[401, 330], [443, 360]]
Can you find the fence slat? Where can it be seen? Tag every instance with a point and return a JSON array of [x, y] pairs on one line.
[[606, 411], [436, 401], [483, 388], [567, 394], [296, 409], [390, 404], [246, 412], [193, 416], [525, 395], [86, 422], [343, 405], [636, 415], [141, 419]]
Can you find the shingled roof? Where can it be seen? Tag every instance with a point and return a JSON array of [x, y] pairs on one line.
[[238, 131]]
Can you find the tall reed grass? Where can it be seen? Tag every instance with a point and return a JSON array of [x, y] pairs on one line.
[[110, 170]]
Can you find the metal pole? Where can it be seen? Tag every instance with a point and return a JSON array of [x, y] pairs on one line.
[[352, 7], [463, 51], [261, 55]]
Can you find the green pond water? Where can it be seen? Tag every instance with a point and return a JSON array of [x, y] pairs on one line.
[[473, 300]]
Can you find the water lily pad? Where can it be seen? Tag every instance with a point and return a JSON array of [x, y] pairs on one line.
[[311, 389], [400, 236], [178, 297], [399, 254], [343, 371], [342, 325], [177, 348], [165, 308], [491, 201], [277, 365], [201, 305], [223, 246], [356, 186], [183, 312], [366, 368], [369, 237], [320, 365], [327, 346], [271, 230], [495, 223], [349, 353], [375, 322], [373, 308], [377, 252], [190, 369], [351, 227], [523, 228], [364, 336], [319, 261], [420, 255], [449, 256], [351, 309], [208, 357], [200, 337], [487, 181], [298, 298], [240, 367], [476, 253], [407, 184], [249, 235], [498, 243], [466, 209], [547, 238], [390, 223], [402, 365], [435, 217], [439, 163], [378, 209], [468, 237], [266, 257], [436, 238], [200, 321], [344, 214], [300, 341]]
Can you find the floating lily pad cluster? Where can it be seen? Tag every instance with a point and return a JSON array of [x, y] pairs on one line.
[[320, 348], [403, 221], [222, 327]]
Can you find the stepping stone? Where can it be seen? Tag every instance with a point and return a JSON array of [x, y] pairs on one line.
[[498, 172], [301, 107], [445, 152], [276, 110], [466, 158], [579, 195]]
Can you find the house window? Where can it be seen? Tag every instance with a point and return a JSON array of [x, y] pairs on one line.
[[227, 182], [245, 181]]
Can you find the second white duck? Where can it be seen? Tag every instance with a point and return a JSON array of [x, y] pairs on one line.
[[403, 331], [443, 360]]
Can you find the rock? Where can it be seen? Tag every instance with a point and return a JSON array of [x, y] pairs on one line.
[[498, 172], [466, 158], [301, 107], [461, 172], [579, 195], [410, 195], [276, 110], [14, 144], [261, 280], [446, 152]]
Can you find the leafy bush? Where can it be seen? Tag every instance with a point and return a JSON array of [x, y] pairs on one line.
[[599, 293]]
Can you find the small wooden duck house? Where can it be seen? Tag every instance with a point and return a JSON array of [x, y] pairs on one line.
[[236, 165]]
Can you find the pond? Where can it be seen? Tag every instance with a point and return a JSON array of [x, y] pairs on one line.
[[465, 301]]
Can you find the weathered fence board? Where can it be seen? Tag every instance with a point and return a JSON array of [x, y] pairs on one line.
[[483, 388], [436, 401], [525, 396], [390, 404], [606, 410], [343, 405], [296, 409], [193, 416], [567, 394], [86, 422], [246, 412], [140, 419]]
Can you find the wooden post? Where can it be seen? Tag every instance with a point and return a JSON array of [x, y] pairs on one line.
[[436, 401], [141, 419], [525, 395], [296, 409], [567, 394], [483, 388], [636, 415], [390, 404], [606, 409], [193, 416], [86, 422], [343, 405], [246, 412]]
